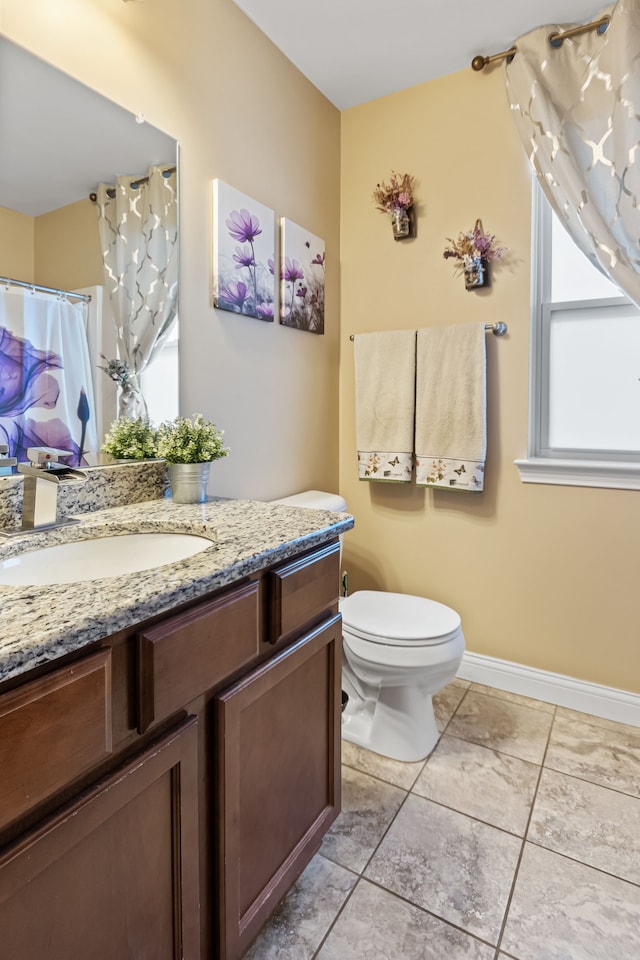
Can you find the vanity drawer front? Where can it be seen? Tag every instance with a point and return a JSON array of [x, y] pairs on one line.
[[192, 652], [52, 730], [303, 590]]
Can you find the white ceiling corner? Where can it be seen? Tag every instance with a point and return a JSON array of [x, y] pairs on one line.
[[357, 50]]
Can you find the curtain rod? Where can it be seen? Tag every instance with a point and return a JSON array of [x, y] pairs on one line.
[[7, 281], [498, 329], [111, 191], [555, 39]]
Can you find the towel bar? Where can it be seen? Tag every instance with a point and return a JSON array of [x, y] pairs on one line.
[[498, 329]]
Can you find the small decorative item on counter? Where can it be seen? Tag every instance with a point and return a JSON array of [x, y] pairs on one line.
[[474, 251], [190, 446], [396, 198], [131, 439]]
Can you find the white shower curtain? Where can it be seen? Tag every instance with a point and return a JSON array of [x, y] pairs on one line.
[[577, 109], [46, 386], [139, 239]]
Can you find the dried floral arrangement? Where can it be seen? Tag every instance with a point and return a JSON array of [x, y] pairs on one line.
[[395, 195], [475, 243]]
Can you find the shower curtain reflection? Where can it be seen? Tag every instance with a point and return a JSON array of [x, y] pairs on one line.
[[46, 386]]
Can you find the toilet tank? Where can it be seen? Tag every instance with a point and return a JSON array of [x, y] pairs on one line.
[[316, 500]]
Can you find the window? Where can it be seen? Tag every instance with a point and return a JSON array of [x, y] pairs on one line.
[[585, 367]]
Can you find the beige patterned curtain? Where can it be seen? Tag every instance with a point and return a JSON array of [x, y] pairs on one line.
[[577, 108], [138, 224]]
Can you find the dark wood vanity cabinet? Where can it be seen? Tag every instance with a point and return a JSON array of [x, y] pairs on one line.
[[160, 793], [114, 873], [277, 748]]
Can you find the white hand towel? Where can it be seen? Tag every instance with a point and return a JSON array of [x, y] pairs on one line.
[[385, 365], [450, 442]]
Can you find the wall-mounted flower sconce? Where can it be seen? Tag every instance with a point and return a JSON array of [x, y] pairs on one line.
[[474, 251], [396, 198]]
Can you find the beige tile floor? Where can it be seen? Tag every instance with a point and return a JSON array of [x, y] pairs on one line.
[[518, 837]]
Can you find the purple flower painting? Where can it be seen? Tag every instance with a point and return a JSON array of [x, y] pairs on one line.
[[244, 254], [301, 278]]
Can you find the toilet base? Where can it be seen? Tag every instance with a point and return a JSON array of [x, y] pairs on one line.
[[398, 722]]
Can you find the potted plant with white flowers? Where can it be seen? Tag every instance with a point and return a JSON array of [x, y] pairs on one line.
[[131, 438], [190, 445]]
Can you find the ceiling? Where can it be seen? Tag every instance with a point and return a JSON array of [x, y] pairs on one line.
[[357, 50], [60, 139]]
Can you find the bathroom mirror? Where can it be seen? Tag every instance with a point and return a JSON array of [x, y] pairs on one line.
[[60, 139]]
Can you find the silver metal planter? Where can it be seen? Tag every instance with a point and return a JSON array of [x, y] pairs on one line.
[[189, 481]]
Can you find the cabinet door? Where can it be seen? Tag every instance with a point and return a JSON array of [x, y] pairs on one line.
[[114, 875], [278, 765]]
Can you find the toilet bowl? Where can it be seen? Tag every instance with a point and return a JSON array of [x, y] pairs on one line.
[[398, 651]]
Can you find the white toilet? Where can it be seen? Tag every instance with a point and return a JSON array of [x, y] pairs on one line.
[[398, 651]]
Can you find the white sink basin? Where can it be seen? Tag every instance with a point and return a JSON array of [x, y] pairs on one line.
[[111, 556]]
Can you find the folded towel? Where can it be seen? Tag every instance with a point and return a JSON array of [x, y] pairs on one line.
[[385, 403], [451, 392]]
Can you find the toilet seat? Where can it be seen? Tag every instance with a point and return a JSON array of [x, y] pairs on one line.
[[398, 619]]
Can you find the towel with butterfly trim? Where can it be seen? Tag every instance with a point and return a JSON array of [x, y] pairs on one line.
[[450, 437], [385, 367]]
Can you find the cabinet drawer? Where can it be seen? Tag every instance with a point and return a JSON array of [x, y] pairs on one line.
[[192, 652], [51, 731], [301, 591]]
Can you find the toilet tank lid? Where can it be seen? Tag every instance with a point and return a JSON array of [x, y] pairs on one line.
[[397, 616], [316, 500]]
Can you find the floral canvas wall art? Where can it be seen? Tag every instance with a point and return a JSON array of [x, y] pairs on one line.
[[244, 254], [302, 267]]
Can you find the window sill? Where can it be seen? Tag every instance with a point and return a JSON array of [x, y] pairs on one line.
[[580, 473]]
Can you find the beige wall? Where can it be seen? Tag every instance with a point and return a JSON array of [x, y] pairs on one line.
[[67, 247], [202, 72], [56, 249], [541, 575], [16, 245]]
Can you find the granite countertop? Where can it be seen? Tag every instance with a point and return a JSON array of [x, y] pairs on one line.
[[39, 624]]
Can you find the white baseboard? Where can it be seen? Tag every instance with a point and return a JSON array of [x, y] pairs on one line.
[[608, 702]]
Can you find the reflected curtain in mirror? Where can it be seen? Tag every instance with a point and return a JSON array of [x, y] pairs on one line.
[[577, 109], [138, 224], [46, 387]]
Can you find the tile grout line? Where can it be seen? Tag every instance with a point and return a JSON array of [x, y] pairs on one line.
[[524, 840], [391, 893], [361, 876], [583, 863], [409, 792]]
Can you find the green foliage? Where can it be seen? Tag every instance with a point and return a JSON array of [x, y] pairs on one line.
[[131, 439], [194, 440]]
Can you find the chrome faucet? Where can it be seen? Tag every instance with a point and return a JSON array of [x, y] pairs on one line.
[[42, 476]]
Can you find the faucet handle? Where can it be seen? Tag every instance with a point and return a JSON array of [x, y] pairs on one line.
[[45, 457]]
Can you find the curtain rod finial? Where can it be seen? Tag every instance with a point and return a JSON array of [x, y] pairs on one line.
[[478, 62]]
